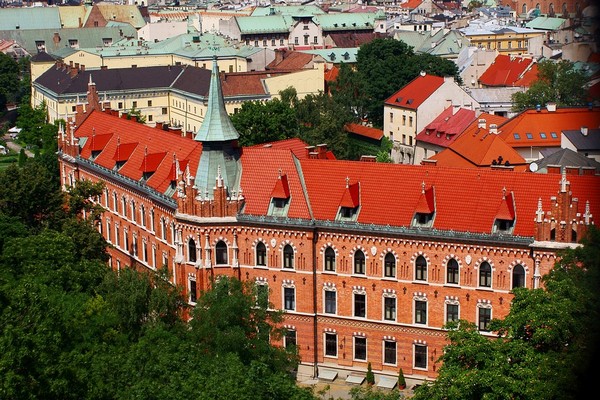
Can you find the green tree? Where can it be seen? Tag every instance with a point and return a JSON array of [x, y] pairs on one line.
[[371, 393], [546, 346], [139, 117], [370, 376], [260, 122], [557, 82], [9, 80], [228, 319]]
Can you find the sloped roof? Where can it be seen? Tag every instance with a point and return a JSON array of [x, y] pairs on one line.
[[426, 203], [335, 55], [566, 158], [264, 24], [587, 142], [478, 148], [506, 70], [292, 61], [293, 10], [414, 93], [25, 18], [352, 39], [446, 127], [546, 123], [346, 21], [140, 140], [247, 83], [546, 23], [282, 188], [366, 131], [466, 200], [122, 13], [295, 145], [351, 196]]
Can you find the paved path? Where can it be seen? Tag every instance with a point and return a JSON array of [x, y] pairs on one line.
[[15, 146]]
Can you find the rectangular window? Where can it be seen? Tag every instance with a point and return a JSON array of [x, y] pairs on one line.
[[389, 308], [149, 103], [360, 348], [289, 298], [120, 105], [262, 296], [126, 240], [404, 120], [305, 40], [360, 305], [389, 352], [420, 312], [281, 42], [272, 42], [264, 42], [410, 121], [315, 40], [330, 302], [451, 312], [330, 345], [296, 41], [134, 104], [485, 315], [391, 117], [164, 110], [193, 296], [289, 340], [420, 356]]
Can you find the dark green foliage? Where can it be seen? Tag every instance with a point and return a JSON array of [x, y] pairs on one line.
[[401, 379], [370, 392], [546, 346], [557, 82], [370, 378], [384, 66], [260, 122], [22, 157], [9, 80], [139, 117]]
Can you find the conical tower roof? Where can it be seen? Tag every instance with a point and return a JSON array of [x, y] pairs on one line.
[[220, 157], [216, 127]]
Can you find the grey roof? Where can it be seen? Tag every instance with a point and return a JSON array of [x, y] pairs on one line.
[[566, 158], [582, 142], [59, 81]]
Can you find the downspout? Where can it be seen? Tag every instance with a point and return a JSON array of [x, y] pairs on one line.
[[315, 333]]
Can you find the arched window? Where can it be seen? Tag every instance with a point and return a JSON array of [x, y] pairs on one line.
[[261, 254], [329, 259], [359, 262], [565, 12], [485, 274], [551, 10], [288, 257], [518, 276], [221, 252], [452, 271], [421, 269], [389, 266], [191, 250], [573, 236], [524, 9], [553, 234]]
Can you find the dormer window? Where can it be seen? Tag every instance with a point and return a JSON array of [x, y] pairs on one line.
[[505, 216], [350, 203], [425, 210], [280, 197]]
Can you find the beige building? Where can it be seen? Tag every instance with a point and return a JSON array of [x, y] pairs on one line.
[[172, 95], [410, 109]]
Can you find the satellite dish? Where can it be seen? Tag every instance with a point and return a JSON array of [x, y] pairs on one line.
[[533, 167]]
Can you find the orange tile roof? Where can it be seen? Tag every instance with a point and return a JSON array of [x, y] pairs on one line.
[[351, 196], [530, 76], [414, 93], [465, 200], [331, 74], [143, 137], [506, 71], [246, 83], [292, 61], [366, 131], [446, 127], [281, 189], [426, 203], [528, 128], [507, 208], [478, 148], [411, 4]]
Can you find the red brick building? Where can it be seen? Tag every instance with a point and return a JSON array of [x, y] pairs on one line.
[[369, 260]]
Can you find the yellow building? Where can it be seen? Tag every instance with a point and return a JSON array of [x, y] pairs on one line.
[[173, 95], [509, 40]]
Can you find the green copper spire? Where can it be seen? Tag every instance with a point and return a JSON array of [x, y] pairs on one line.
[[220, 159], [216, 125]]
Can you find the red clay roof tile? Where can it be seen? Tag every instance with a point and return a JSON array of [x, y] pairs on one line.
[[414, 93]]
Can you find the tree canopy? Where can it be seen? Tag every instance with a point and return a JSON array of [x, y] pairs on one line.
[[546, 346], [557, 82]]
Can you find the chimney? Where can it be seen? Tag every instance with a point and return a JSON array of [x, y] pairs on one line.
[[538, 108], [365, 158], [493, 129], [309, 151], [553, 169], [455, 108], [584, 130], [322, 150], [572, 170], [588, 171], [481, 123], [104, 67], [551, 107]]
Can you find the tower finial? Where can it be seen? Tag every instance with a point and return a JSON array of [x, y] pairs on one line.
[[563, 181]]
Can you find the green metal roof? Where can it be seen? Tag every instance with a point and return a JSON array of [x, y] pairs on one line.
[[546, 23], [336, 54], [216, 127], [294, 11], [220, 158], [29, 18], [346, 21], [86, 37], [264, 24]]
